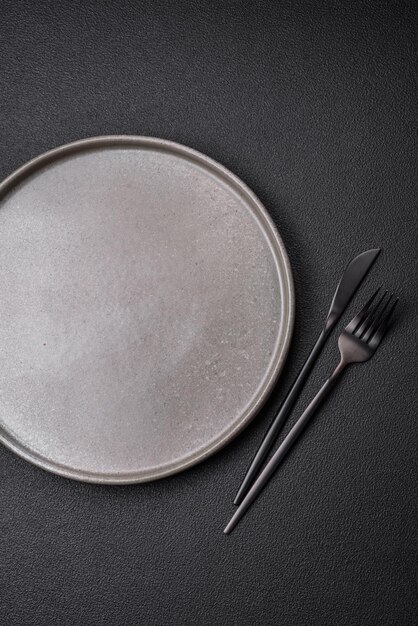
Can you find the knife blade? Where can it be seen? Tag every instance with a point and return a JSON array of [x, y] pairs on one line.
[[351, 279]]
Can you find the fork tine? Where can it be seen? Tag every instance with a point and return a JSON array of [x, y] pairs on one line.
[[381, 329], [371, 315], [358, 319], [376, 319]]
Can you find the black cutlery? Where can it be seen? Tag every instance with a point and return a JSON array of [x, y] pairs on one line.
[[352, 277], [357, 343]]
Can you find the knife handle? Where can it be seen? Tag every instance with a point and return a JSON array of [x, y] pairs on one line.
[[278, 422]]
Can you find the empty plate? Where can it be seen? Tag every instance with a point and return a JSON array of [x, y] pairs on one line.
[[146, 308]]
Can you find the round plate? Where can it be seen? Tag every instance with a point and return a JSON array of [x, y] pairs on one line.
[[146, 308]]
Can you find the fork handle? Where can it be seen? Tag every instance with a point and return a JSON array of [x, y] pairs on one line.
[[308, 413], [301, 424], [285, 446]]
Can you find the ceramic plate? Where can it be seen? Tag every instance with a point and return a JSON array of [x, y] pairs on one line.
[[146, 309]]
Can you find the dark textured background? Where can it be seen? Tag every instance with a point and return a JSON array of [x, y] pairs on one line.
[[314, 105]]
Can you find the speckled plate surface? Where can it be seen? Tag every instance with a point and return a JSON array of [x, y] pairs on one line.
[[146, 308]]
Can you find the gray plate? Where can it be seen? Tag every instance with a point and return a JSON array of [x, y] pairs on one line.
[[146, 310]]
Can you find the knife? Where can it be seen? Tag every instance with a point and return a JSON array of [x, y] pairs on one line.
[[351, 279]]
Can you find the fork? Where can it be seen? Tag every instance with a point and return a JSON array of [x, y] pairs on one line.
[[357, 343]]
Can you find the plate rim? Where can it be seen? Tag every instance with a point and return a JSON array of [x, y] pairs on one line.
[[284, 272]]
